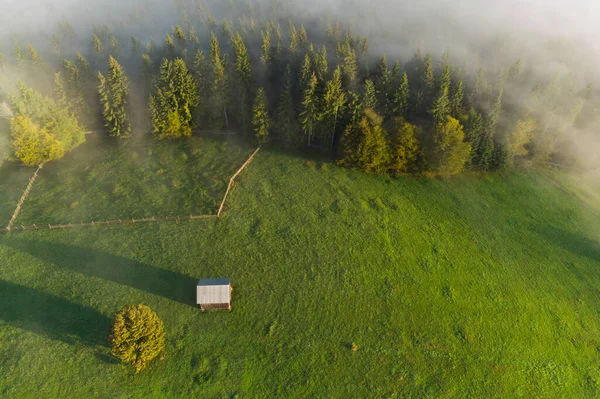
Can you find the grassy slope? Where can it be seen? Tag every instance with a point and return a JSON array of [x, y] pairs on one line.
[[108, 180], [482, 287]]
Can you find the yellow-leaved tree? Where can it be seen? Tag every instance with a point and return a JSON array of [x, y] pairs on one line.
[[137, 336], [41, 129]]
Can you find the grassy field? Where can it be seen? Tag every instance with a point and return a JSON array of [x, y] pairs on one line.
[[483, 287], [119, 180]]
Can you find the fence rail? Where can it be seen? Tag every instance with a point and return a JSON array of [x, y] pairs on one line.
[[44, 226], [22, 199]]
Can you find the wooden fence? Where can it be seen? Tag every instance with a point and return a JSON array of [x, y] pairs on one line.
[[11, 227], [22, 199]]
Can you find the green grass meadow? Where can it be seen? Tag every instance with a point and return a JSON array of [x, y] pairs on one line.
[[477, 286], [105, 179]]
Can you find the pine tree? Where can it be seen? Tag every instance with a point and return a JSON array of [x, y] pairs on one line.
[[401, 98], [306, 72], [427, 84], [302, 38], [334, 100], [494, 116], [260, 118], [347, 57], [309, 114], [286, 123], [98, 46], [265, 57], [294, 39], [474, 131], [115, 47], [220, 84], [114, 92], [320, 64], [136, 45], [457, 100], [34, 56], [383, 87], [175, 95], [170, 44], [202, 76], [365, 144], [441, 107], [60, 92], [369, 96], [243, 72], [179, 34], [19, 55]]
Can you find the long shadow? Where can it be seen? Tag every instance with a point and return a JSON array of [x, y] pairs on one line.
[[575, 243], [52, 316], [154, 280]]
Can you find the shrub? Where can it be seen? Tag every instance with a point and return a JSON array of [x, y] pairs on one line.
[[137, 336]]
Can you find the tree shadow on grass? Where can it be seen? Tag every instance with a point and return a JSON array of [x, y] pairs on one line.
[[49, 315], [573, 242], [154, 280]]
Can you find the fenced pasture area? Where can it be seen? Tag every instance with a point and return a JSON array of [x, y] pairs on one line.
[[114, 183]]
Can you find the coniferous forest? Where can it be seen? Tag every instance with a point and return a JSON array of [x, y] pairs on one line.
[[315, 84]]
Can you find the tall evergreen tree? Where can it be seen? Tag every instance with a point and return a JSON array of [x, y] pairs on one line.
[[383, 87], [260, 118], [114, 93], [175, 95], [334, 100], [265, 57], [427, 84], [243, 72], [441, 107], [286, 123], [219, 75], [401, 98], [98, 46], [309, 114], [369, 100], [457, 100]]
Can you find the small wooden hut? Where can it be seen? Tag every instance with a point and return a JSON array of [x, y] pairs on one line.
[[214, 293]]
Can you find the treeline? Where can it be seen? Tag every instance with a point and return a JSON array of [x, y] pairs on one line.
[[276, 81]]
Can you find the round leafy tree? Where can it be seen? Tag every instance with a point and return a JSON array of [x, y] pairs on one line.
[[137, 336]]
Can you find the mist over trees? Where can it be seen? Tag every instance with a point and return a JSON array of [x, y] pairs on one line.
[[379, 103]]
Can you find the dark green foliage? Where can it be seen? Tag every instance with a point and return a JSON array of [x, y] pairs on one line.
[[402, 98], [286, 122], [369, 100], [309, 114], [260, 117], [243, 73], [175, 95], [334, 101], [114, 92]]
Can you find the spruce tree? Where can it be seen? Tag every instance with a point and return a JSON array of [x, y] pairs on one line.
[[219, 84], [265, 57], [98, 46], [457, 100], [441, 107], [383, 87], [309, 114], [114, 93], [175, 95], [286, 124], [334, 100], [369, 100], [402, 98], [243, 73], [260, 118], [427, 84], [320, 64]]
